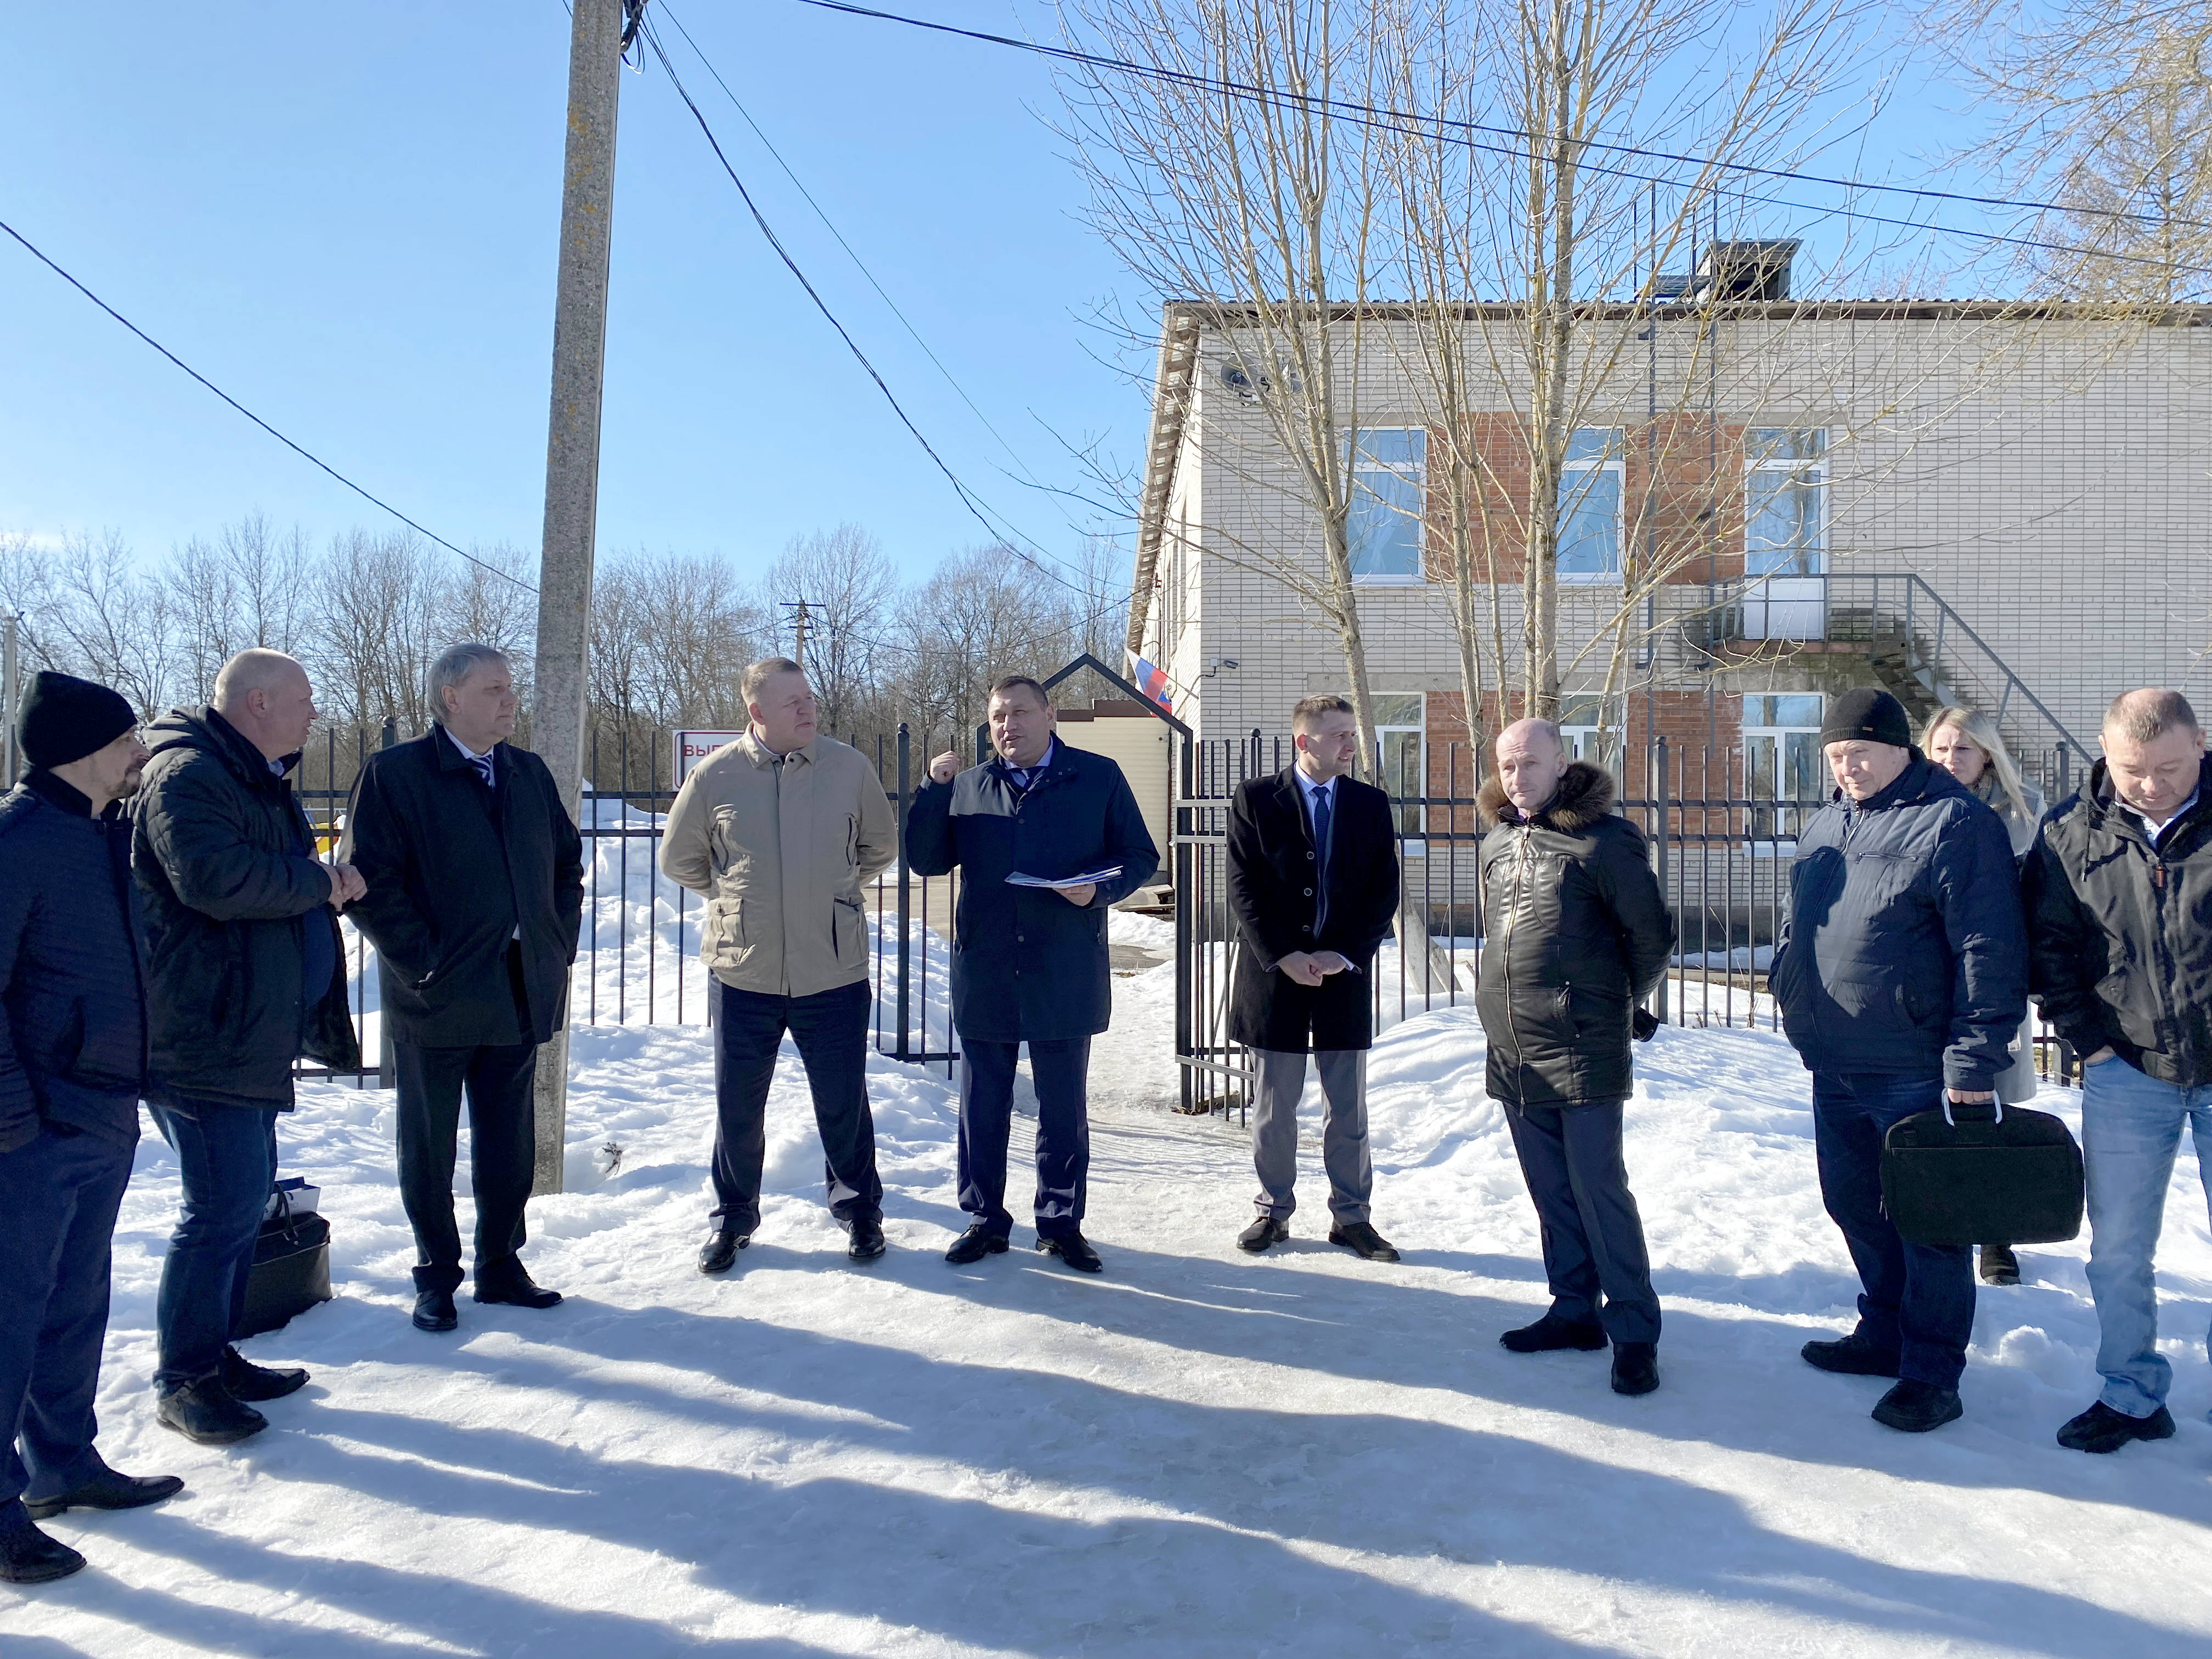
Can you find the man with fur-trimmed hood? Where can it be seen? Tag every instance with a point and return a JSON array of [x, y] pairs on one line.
[[1576, 935]]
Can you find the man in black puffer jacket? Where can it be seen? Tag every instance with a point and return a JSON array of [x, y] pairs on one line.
[[1574, 936], [2119, 904], [245, 975], [72, 1065], [1901, 974]]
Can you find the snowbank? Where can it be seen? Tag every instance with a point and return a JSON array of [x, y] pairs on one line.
[[1198, 1454]]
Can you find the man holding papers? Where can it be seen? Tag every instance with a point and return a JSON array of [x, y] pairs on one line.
[[1046, 837]]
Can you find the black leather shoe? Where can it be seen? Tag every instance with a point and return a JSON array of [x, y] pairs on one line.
[[1266, 1230], [512, 1286], [1851, 1356], [978, 1241], [247, 1381], [1635, 1367], [1913, 1407], [27, 1556], [716, 1255], [108, 1490], [433, 1312], [1364, 1241], [1075, 1250], [1999, 1265], [1552, 1332], [2101, 1429], [867, 1239], [205, 1414]]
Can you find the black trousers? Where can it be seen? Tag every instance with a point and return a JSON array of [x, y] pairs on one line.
[[830, 1030], [500, 1081], [1062, 1071], [59, 1193], [1593, 1235]]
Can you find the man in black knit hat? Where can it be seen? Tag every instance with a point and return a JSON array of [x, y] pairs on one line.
[[1901, 977], [72, 1067]]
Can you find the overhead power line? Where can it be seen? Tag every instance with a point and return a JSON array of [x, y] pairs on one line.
[[296, 449], [976, 507], [1384, 119]]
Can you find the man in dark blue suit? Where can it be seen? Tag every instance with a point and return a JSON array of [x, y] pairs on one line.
[[1028, 963]]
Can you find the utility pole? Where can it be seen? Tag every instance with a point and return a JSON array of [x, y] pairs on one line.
[[571, 465], [799, 633], [8, 704]]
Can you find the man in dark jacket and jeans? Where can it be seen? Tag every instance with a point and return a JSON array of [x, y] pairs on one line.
[[1901, 981], [2119, 900], [72, 1065], [1028, 962], [1576, 935], [475, 878], [244, 975]]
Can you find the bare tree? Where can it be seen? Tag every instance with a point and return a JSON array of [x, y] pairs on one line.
[[1256, 213], [2102, 108], [1513, 184], [113, 620], [850, 590], [377, 613]]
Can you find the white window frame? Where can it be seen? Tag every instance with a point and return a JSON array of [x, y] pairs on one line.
[[1777, 845], [1576, 734], [1411, 840], [1415, 473], [1611, 459], [1810, 471]]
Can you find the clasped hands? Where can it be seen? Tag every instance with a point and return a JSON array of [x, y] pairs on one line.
[[346, 884], [1311, 967]]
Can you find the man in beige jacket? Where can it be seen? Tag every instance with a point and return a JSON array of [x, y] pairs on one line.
[[780, 830]]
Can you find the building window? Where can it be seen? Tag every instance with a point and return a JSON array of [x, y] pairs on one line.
[[1589, 506], [1382, 532], [1785, 519], [1590, 729], [1782, 763], [1398, 728]]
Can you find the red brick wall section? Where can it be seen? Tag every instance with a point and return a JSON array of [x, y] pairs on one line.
[[1691, 520]]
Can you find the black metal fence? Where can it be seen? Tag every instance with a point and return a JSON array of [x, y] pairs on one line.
[[1722, 855], [637, 962]]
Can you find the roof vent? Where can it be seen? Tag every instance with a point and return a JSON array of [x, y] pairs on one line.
[[1746, 271]]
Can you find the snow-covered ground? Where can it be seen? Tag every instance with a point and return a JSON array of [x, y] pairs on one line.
[[1199, 1453]]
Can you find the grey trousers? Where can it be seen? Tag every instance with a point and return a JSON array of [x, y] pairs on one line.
[[1343, 1135], [1593, 1235]]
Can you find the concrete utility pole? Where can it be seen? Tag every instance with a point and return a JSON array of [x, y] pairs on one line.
[[8, 695], [572, 467]]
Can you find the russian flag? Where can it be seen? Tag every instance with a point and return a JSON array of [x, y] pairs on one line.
[[1152, 681]]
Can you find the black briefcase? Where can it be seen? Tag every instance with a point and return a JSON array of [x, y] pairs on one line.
[[291, 1270], [1982, 1175]]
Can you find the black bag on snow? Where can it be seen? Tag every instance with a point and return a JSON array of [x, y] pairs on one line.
[[1982, 1175], [291, 1270]]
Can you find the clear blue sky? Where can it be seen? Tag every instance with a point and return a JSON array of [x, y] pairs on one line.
[[345, 216]]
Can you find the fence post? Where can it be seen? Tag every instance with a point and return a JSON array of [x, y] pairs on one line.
[[905, 944], [1659, 996]]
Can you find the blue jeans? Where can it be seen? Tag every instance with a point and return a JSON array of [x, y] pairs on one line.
[[1918, 1301], [2130, 1130], [226, 1157], [60, 1195]]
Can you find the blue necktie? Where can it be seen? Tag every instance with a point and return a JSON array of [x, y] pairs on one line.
[[483, 764], [1320, 798]]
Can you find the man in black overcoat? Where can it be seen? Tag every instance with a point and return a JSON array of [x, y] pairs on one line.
[[1576, 935], [1313, 881], [1028, 963], [476, 885]]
